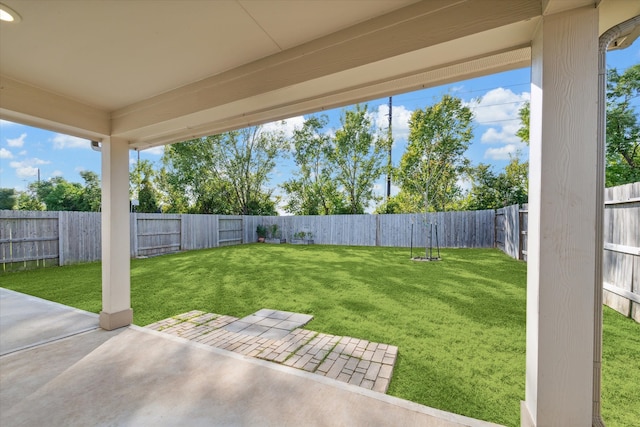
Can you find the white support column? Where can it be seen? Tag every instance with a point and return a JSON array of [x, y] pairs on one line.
[[562, 246], [116, 288]]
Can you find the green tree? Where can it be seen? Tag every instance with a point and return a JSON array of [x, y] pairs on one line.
[[357, 157], [623, 127], [7, 198], [91, 192], [225, 174], [28, 201], [58, 194], [312, 190], [187, 168], [491, 191], [484, 193], [434, 159], [514, 182], [524, 113], [246, 158], [142, 187]]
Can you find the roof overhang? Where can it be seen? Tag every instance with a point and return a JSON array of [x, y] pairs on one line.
[[260, 61]]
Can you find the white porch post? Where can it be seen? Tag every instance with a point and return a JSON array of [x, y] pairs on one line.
[[562, 221], [116, 288]]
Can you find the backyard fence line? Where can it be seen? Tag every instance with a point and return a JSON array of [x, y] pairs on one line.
[[621, 257], [468, 229], [34, 239], [40, 239]]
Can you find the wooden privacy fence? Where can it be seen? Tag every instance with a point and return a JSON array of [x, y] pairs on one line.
[[469, 229], [511, 231], [621, 257], [41, 239], [29, 239]]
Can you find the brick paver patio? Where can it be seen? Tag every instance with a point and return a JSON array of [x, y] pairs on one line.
[[277, 336]]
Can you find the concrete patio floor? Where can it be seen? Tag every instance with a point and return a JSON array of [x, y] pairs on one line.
[[65, 371]]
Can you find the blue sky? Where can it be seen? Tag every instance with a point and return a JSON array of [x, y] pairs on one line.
[[26, 150]]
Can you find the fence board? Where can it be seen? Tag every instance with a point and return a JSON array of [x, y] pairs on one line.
[[28, 240], [509, 230], [621, 232], [80, 237], [199, 231], [230, 230], [621, 267], [158, 234]]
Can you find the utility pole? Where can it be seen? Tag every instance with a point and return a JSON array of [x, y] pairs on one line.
[[389, 163]]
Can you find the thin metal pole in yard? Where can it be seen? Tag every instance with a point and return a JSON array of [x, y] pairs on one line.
[[412, 240], [437, 241]]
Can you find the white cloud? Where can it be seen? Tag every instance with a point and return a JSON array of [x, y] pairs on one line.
[[22, 153], [399, 121], [498, 104], [501, 153], [79, 169], [29, 162], [499, 109], [156, 151], [26, 171], [5, 154], [62, 141], [287, 126], [17, 142], [28, 167], [507, 133], [57, 173]]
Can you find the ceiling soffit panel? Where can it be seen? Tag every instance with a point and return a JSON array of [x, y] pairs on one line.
[[293, 22], [415, 27], [109, 54]]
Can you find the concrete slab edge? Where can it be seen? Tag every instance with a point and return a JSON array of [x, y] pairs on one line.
[[49, 341], [52, 303], [391, 400]]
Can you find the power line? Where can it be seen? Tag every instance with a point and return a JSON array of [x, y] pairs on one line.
[[503, 103], [475, 90], [497, 121]]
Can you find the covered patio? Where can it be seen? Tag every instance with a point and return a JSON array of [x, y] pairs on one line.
[[134, 75], [69, 371]]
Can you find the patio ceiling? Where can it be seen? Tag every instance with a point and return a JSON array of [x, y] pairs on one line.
[[159, 72]]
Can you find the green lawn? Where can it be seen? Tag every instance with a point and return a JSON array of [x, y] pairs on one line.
[[459, 323]]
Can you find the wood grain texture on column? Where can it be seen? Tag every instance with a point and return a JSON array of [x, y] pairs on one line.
[[562, 220]]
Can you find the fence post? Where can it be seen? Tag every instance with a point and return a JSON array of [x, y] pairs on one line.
[[63, 223], [134, 232], [520, 239], [495, 228]]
